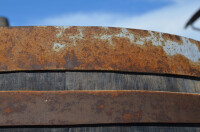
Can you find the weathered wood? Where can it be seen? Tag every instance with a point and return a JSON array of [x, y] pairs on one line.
[[98, 81]]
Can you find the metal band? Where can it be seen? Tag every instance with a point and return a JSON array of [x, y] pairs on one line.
[[97, 48], [93, 107]]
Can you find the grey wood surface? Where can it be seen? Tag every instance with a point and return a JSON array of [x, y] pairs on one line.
[[99, 81]]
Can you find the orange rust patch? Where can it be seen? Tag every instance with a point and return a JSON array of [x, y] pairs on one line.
[[115, 94], [141, 33], [133, 116], [30, 48], [128, 117], [173, 38], [101, 106], [8, 110]]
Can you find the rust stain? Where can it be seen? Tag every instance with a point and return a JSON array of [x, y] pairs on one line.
[[115, 94], [132, 116], [8, 110], [101, 106], [128, 117], [97, 48], [82, 107]]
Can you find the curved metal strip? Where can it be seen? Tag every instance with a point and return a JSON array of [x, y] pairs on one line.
[[97, 48], [95, 107]]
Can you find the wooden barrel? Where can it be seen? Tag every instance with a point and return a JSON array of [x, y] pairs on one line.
[[100, 80]]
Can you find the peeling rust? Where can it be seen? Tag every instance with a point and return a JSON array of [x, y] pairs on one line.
[[94, 107], [97, 48]]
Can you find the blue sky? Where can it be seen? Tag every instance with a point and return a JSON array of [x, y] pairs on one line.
[[167, 16], [23, 12]]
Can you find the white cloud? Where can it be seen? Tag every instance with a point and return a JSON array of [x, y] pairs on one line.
[[83, 19], [170, 19]]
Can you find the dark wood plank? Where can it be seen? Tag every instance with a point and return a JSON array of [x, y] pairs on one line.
[[128, 81], [135, 129], [32, 81], [99, 81]]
